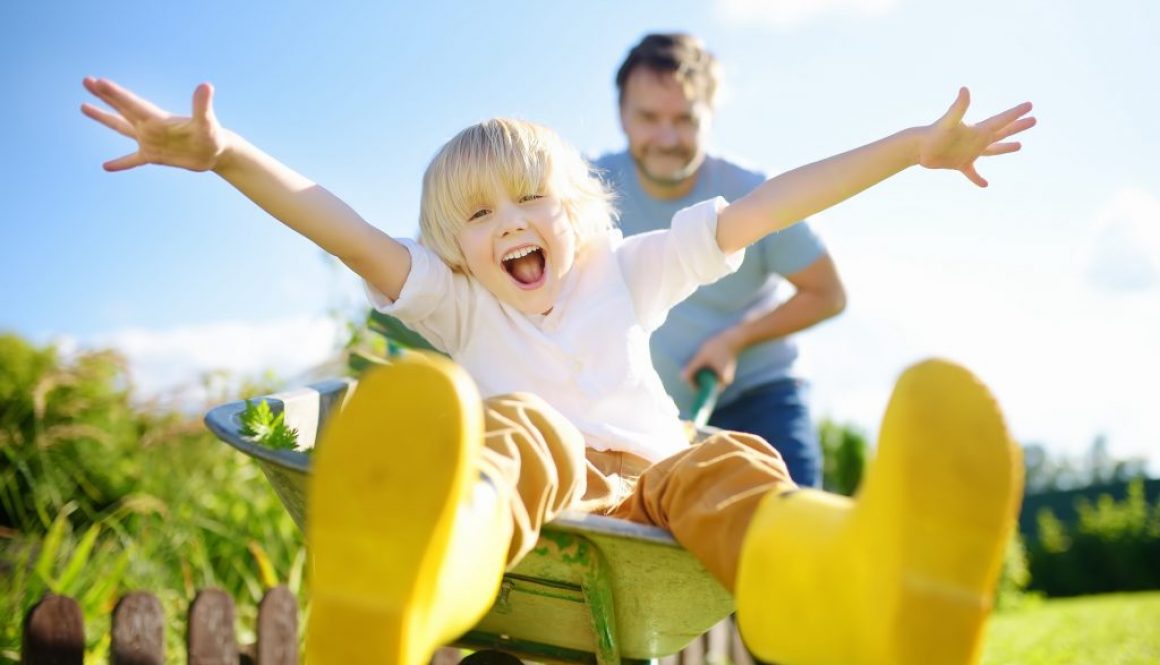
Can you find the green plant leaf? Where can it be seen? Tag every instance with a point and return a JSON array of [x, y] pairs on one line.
[[79, 559], [50, 548], [259, 424]]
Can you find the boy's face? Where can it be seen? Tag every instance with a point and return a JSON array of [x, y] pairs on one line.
[[520, 250]]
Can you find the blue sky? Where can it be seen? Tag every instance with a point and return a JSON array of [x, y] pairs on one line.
[[1047, 284]]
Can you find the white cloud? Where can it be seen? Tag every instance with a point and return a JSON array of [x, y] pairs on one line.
[[790, 13], [174, 365], [1066, 362], [1124, 253]]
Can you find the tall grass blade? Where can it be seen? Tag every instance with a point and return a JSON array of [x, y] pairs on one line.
[[79, 559], [50, 548]]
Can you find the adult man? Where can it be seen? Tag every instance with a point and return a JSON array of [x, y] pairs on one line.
[[738, 327]]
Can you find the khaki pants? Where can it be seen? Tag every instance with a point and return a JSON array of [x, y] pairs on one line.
[[705, 494]]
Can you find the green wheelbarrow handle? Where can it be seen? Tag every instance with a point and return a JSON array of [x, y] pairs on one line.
[[706, 399]]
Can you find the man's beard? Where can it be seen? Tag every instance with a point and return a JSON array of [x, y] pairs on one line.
[[692, 163]]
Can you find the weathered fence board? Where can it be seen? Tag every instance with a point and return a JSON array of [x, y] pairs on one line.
[[210, 634], [138, 634], [278, 628], [54, 633]]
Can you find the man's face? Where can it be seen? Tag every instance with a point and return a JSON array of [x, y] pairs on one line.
[[665, 128]]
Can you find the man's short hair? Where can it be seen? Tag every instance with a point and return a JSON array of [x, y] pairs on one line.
[[676, 53]]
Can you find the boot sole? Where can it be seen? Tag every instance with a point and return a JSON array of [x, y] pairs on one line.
[[386, 483], [952, 477]]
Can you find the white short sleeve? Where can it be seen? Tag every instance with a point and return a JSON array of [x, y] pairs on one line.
[[434, 301], [662, 268]]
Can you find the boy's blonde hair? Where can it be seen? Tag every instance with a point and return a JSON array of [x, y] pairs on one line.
[[517, 158]]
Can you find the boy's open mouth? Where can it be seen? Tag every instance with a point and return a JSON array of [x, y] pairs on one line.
[[525, 264]]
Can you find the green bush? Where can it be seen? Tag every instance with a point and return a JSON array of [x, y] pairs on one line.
[[1014, 577], [99, 497], [1113, 546], [63, 427], [844, 454]]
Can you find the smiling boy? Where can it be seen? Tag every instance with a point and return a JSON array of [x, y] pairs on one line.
[[429, 483]]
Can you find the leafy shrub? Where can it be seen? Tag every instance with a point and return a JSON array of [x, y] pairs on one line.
[[99, 497], [1014, 577], [1113, 546], [62, 429], [844, 455]]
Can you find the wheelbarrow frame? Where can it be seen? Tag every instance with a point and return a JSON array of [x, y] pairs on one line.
[[594, 589]]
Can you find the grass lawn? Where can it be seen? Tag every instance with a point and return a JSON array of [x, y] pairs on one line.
[[1115, 629]]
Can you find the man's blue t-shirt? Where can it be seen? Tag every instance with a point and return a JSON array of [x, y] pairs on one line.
[[754, 287]]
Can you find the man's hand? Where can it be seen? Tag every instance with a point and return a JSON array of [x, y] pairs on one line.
[[951, 144], [196, 143], [718, 353]]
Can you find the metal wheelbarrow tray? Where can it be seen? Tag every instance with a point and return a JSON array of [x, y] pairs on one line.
[[593, 590]]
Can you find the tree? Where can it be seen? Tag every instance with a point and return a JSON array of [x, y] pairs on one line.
[[844, 454], [1095, 467]]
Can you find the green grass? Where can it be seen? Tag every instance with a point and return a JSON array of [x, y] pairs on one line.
[[1114, 629], [104, 499], [99, 497], [202, 516]]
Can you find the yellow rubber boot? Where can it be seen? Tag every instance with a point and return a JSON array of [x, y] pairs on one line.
[[904, 573], [408, 541]]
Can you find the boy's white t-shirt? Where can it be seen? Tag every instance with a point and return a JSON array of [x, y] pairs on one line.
[[589, 357]]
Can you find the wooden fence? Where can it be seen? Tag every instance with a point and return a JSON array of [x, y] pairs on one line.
[[54, 631], [54, 634]]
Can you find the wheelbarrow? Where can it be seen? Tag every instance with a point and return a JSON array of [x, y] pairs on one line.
[[594, 589]]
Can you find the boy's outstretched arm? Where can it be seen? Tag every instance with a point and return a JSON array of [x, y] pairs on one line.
[[802, 192], [200, 143]]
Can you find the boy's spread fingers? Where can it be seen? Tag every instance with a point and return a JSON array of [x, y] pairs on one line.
[[125, 163], [129, 105], [1014, 128], [99, 88], [1002, 148], [1006, 117], [973, 175], [113, 122], [203, 101], [958, 109]]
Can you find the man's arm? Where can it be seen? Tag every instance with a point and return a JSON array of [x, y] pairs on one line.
[[802, 192], [200, 143], [819, 296]]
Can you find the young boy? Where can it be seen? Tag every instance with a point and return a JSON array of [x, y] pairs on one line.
[[421, 497]]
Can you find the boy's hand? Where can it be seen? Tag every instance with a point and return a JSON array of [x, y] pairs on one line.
[[195, 143], [951, 144]]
